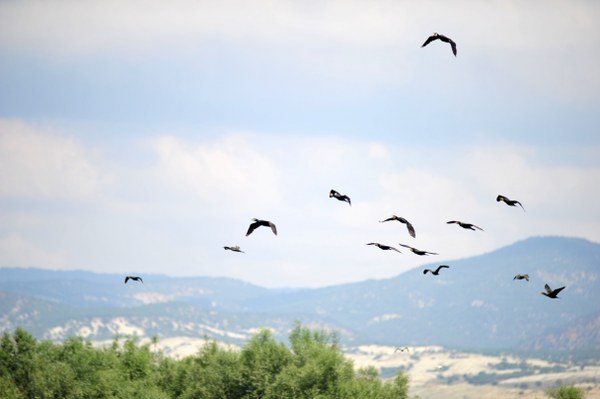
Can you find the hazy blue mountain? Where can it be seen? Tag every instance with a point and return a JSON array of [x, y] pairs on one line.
[[474, 305]]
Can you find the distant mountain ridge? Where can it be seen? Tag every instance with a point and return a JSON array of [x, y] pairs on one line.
[[474, 305]]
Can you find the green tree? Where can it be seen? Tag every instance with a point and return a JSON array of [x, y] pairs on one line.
[[566, 392]]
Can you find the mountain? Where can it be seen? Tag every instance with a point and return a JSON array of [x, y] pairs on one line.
[[473, 305]]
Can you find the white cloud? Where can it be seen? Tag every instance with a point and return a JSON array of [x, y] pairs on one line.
[[550, 48], [17, 251], [189, 197], [37, 162], [229, 171]]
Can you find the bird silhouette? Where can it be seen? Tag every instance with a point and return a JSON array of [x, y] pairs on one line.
[[234, 249], [464, 225], [521, 277], [409, 227], [257, 223], [134, 278], [384, 247], [443, 38], [418, 251], [550, 293], [339, 197], [508, 202], [436, 271], [401, 349]]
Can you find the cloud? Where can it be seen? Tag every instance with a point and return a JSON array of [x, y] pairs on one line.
[[38, 163], [17, 251], [228, 172], [180, 199]]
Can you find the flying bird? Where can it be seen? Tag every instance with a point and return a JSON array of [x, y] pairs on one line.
[[436, 271], [339, 197], [409, 227], [550, 293], [234, 249], [257, 223], [464, 225], [443, 38], [418, 251], [521, 277], [508, 202], [384, 247], [134, 278], [401, 349]]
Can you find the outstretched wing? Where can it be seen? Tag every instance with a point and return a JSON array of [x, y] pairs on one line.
[[429, 40], [440, 267], [126, 279], [252, 227], [406, 246], [388, 219], [548, 289], [556, 291], [453, 45], [409, 227], [273, 228], [477, 227]]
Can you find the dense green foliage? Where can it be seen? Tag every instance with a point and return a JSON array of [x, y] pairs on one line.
[[312, 367], [566, 392]]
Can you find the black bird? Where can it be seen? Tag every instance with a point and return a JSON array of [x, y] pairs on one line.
[[339, 197], [384, 247], [409, 227], [550, 293], [508, 202], [257, 223], [234, 249], [418, 251], [436, 271], [521, 277], [401, 349], [443, 38], [465, 225], [134, 278]]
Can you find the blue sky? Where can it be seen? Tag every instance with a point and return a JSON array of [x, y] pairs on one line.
[[144, 136]]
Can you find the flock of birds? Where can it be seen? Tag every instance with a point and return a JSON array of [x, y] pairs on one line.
[[256, 223]]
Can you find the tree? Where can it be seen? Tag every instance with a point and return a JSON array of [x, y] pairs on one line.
[[566, 392]]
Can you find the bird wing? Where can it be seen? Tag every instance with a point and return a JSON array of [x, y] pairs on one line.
[[406, 246], [126, 279], [252, 227], [501, 198], [442, 267], [409, 227], [526, 277], [452, 221], [556, 291], [426, 270], [387, 220], [348, 198], [141, 280], [477, 227], [429, 40], [548, 289], [273, 228], [431, 253], [453, 45], [395, 250], [521, 205], [333, 193]]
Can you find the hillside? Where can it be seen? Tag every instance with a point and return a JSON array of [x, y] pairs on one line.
[[474, 305]]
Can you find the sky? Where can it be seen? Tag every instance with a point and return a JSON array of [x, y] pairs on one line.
[[142, 137]]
